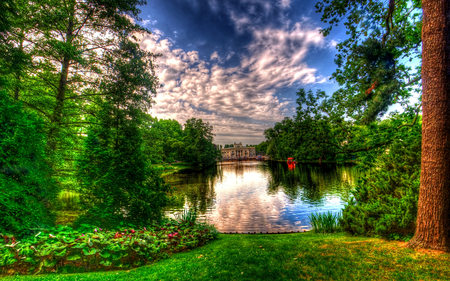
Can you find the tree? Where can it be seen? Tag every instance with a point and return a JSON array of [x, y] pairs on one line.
[[117, 182], [55, 57], [373, 77], [163, 140], [199, 149], [433, 219], [26, 188]]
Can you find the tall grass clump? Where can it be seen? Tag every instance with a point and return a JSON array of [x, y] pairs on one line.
[[187, 216], [325, 222]]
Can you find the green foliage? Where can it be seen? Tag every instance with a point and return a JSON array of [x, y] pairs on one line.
[[385, 200], [26, 189], [163, 140], [325, 222], [187, 216], [199, 149], [64, 249], [262, 147], [117, 182], [373, 69]]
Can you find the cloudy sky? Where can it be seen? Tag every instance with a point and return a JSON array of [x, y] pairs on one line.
[[237, 63]]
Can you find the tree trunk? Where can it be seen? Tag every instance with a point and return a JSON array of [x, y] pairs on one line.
[[61, 92], [433, 218]]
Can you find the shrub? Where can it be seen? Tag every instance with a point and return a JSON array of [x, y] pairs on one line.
[[64, 249], [385, 200], [25, 184]]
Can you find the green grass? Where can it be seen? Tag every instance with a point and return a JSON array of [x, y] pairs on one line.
[[304, 256], [172, 168]]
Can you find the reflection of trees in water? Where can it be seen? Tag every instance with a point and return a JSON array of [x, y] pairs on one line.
[[194, 188], [311, 182], [238, 168]]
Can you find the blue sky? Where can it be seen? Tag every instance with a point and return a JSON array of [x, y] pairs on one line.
[[237, 64]]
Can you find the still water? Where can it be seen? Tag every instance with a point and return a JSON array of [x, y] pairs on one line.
[[258, 196]]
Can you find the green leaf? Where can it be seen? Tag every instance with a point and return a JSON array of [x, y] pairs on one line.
[[61, 254], [106, 263], [105, 254], [79, 246], [89, 252], [73, 258], [116, 256], [50, 263]]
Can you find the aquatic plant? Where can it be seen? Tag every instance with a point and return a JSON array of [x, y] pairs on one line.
[[187, 216], [325, 222]]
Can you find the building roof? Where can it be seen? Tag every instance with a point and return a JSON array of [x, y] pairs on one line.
[[245, 147]]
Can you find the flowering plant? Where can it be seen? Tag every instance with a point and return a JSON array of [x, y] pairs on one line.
[[64, 249]]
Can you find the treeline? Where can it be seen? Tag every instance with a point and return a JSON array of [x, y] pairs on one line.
[[75, 89], [319, 131], [167, 141]]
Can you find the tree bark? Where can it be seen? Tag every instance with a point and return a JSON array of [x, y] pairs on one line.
[[61, 92], [433, 218]]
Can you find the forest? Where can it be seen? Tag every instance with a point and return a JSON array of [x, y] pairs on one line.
[[75, 94]]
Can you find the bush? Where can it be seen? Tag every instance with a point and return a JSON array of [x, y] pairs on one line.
[[385, 200], [64, 249], [26, 188]]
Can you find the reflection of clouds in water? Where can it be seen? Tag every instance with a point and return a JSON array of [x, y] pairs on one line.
[[261, 197]]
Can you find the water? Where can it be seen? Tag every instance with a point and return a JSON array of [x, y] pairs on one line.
[[262, 196]]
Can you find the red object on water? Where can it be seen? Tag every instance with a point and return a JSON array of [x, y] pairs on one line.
[[291, 163]]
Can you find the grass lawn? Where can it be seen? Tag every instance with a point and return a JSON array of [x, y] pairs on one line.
[[168, 169], [304, 256]]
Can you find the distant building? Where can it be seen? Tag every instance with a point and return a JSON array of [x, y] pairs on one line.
[[238, 151]]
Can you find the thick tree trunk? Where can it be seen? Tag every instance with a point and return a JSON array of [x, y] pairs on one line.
[[61, 92], [433, 218]]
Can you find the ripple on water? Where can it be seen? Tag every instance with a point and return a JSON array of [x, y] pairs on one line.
[[257, 196]]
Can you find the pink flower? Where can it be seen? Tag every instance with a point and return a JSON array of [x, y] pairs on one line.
[[95, 230], [145, 229]]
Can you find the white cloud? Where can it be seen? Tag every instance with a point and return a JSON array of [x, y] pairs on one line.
[[284, 3], [215, 56], [241, 100], [333, 43], [149, 22]]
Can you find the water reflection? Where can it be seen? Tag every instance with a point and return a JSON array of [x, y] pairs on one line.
[[262, 196]]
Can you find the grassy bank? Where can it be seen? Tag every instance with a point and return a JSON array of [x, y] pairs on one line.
[[304, 256], [168, 169]]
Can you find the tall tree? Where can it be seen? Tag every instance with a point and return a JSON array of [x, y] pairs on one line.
[[373, 76], [55, 56], [199, 149], [117, 183], [433, 219]]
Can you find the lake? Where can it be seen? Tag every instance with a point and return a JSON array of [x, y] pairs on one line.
[[256, 196]]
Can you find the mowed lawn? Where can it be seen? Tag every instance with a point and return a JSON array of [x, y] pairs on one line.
[[301, 256]]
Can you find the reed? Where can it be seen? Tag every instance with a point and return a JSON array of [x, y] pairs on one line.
[[325, 222], [187, 216]]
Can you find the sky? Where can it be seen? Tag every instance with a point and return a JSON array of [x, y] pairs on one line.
[[237, 64]]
